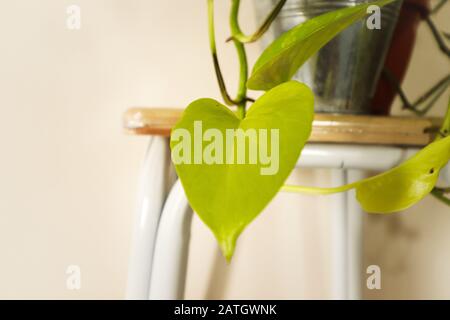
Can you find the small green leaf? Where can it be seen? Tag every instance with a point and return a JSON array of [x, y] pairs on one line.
[[227, 197], [407, 184], [399, 188], [282, 59]]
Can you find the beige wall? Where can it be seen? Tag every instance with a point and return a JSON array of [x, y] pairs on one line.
[[68, 174]]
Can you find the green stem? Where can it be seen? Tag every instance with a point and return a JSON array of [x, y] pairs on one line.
[[212, 43], [440, 196], [241, 37], [437, 36], [318, 191], [443, 190], [443, 83], [243, 63], [445, 129], [438, 7], [243, 76], [241, 99]]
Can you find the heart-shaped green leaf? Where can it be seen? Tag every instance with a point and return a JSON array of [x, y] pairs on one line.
[[282, 59], [399, 188], [226, 194]]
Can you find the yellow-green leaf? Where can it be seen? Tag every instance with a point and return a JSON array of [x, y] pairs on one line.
[[399, 188], [282, 59], [405, 185], [228, 195]]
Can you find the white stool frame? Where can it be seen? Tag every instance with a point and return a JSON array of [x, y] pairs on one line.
[[157, 266]]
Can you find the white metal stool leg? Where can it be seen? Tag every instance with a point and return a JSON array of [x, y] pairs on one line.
[[153, 183], [355, 238], [171, 251], [339, 249], [347, 238]]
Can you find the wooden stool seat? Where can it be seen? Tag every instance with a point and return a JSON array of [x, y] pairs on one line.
[[327, 128]]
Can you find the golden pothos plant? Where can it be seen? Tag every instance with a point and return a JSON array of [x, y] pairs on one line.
[[228, 195]]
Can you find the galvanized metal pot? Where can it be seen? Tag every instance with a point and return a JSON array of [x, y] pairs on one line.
[[344, 73]]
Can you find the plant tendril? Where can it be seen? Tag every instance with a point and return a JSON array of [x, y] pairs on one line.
[[242, 38]]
